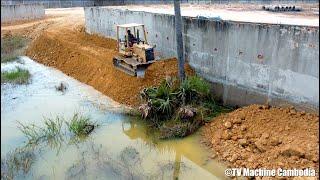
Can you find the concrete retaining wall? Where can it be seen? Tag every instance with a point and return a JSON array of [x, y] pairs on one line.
[[246, 62], [86, 3], [52, 3], [126, 2], [11, 13]]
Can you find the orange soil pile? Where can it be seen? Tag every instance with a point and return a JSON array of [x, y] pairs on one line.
[[265, 137], [88, 58]]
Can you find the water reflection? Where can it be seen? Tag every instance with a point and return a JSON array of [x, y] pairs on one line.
[[139, 131], [188, 147], [121, 148]]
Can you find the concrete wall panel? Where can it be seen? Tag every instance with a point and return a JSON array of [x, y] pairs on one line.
[[267, 60], [11, 13], [84, 3]]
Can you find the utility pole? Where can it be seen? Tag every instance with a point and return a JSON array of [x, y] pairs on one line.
[[179, 40]]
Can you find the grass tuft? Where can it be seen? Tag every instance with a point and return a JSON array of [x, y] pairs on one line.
[[12, 46], [51, 132], [52, 127], [35, 133], [30, 131], [193, 88], [80, 125], [17, 76]]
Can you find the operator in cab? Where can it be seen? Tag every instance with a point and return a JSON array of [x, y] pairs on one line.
[[131, 38]]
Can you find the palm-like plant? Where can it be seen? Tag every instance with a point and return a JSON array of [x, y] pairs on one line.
[[193, 88]]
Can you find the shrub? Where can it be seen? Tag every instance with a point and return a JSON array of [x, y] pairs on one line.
[[165, 90], [162, 106], [161, 101], [179, 109]]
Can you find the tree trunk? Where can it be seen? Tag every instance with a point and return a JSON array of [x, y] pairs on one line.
[[179, 40]]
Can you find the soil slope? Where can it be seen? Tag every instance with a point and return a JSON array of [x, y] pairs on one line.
[[59, 40], [265, 137], [88, 58]]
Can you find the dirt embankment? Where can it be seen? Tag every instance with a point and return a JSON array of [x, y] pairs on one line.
[[262, 137], [88, 58]]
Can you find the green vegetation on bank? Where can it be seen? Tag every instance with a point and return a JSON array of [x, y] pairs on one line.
[[177, 109], [17, 76], [12, 46]]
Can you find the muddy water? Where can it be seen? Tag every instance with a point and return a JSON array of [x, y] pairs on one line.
[[120, 148]]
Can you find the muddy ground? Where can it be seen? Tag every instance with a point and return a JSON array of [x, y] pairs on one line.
[[259, 136]]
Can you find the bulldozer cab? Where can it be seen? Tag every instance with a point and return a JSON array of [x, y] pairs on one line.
[[134, 52], [128, 35]]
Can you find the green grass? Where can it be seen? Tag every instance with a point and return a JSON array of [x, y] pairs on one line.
[[30, 131], [17, 76], [51, 131], [52, 127], [193, 88], [34, 133], [12, 46], [80, 125]]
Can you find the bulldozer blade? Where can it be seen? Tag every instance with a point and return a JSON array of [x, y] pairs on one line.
[[140, 72], [130, 66], [126, 71], [124, 68]]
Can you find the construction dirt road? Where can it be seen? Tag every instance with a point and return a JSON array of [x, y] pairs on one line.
[[60, 41]]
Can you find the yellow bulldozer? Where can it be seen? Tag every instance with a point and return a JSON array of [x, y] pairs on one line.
[[134, 53]]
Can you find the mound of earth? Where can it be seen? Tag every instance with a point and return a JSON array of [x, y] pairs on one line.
[[88, 58], [265, 137]]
